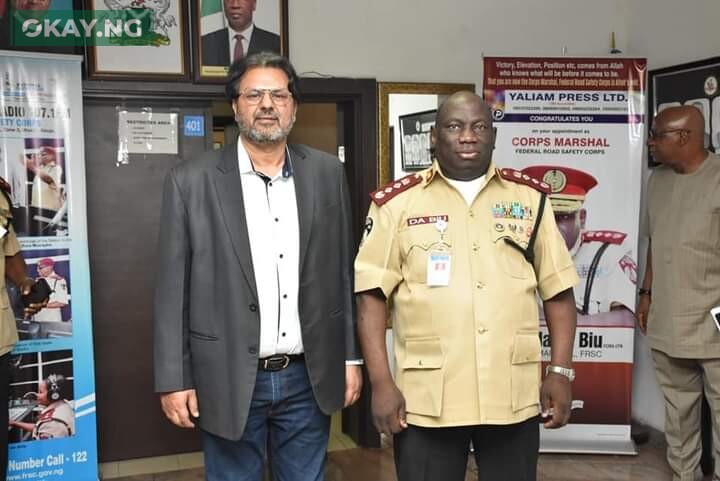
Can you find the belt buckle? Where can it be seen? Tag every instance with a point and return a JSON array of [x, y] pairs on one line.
[[270, 363]]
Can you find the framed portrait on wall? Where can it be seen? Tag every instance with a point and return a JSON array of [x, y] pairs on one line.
[[164, 58], [696, 84], [415, 139], [226, 30]]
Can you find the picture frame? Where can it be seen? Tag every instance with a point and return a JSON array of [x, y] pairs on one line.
[[166, 60], [212, 42], [694, 83], [414, 97], [415, 139], [7, 42]]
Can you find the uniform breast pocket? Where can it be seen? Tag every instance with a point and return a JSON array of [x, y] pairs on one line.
[[510, 257], [416, 244]]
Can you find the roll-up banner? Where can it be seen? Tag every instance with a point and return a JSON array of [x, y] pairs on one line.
[[578, 125], [52, 389]]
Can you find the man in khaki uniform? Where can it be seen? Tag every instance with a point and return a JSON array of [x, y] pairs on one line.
[[12, 266], [682, 279], [460, 251]]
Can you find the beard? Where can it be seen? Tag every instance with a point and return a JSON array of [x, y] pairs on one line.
[[270, 135]]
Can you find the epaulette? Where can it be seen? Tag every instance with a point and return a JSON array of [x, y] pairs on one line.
[[5, 187], [391, 189], [516, 176], [606, 236]]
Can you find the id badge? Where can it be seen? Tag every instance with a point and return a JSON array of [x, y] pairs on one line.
[[438, 268]]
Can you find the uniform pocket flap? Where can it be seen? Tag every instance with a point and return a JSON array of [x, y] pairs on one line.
[[423, 353], [526, 348]]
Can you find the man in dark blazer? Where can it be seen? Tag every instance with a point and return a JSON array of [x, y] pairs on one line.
[[254, 322], [216, 46]]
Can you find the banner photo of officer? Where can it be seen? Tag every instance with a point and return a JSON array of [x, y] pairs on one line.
[[41, 396], [55, 320], [577, 124]]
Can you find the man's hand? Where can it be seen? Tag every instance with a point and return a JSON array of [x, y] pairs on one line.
[[388, 408], [178, 406], [555, 400], [353, 384], [33, 308], [641, 312]]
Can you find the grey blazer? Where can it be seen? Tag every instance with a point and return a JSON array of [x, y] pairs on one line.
[[207, 322]]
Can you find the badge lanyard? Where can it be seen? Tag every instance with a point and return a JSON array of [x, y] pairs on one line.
[[439, 259]]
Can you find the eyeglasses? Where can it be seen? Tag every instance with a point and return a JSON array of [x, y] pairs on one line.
[[279, 97], [656, 134]]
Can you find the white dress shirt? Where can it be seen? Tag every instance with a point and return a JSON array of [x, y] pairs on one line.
[[273, 231], [246, 35]]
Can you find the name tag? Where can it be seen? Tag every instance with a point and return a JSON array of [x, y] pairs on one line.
[[438, 269]]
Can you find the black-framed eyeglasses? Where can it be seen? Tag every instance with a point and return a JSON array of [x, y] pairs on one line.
[[657, 134], [279, 97]]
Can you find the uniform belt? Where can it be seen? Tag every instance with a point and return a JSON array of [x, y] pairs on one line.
[[278, 362]]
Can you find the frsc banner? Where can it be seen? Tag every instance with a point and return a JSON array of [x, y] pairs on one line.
[[52, 389], [578, 125]]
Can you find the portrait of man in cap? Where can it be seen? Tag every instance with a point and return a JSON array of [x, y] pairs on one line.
[[603, 259]]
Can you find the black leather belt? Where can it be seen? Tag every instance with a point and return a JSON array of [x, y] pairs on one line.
[[278, 362]]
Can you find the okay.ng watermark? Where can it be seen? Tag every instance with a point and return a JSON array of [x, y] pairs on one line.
[[122, 27]]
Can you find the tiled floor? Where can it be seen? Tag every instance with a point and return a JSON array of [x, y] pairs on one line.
[[377, 465]]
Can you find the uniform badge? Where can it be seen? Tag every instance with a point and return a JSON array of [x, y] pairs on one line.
[[368, 226], [367, 229], [499, 227]]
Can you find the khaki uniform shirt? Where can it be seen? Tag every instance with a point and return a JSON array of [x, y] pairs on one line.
[[45, 195], [467, 353], [684, 228], [10, 247], [55, 421]]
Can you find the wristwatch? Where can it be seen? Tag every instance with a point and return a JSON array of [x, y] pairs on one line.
[[563, 371], [645, 292]]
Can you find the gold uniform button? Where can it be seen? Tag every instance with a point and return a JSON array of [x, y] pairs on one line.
[[420, 362], [475, 247], [471, 214], [479, 285], [481, 330]]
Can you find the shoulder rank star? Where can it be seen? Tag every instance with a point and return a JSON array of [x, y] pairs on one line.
[[605, 236], [518, 177], [393, 188]]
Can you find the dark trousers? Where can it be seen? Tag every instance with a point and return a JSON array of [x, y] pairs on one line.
[[502, 453], [4, 394]]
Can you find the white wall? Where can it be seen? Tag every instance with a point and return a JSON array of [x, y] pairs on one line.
[[669, 32], [432, 41]]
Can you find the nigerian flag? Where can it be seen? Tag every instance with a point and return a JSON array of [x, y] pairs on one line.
[[212, 17]]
